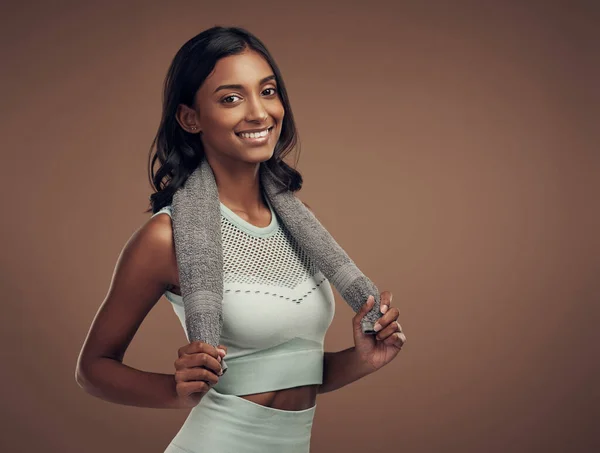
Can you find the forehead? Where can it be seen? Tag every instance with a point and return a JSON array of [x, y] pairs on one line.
[[245, 69]]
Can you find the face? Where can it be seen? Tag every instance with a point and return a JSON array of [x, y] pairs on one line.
[[241, 94]]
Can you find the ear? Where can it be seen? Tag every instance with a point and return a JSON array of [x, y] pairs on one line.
[[187, 118]]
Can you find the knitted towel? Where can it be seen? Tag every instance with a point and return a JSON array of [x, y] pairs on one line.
[[198, 249]]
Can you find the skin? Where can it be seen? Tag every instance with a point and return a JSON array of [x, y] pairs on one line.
[[147, 266]]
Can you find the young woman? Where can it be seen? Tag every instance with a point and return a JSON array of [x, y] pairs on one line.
[[225, 100]]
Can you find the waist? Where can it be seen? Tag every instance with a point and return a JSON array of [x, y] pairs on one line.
[[291, 399]]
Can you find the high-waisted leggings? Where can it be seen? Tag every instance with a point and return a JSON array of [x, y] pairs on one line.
[[223, 423]]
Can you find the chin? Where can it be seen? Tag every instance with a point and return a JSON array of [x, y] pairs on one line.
[[262, 156]]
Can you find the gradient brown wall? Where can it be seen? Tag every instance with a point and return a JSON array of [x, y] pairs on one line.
[[451, 150]]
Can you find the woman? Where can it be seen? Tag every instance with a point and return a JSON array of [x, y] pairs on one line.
[[225, 100]]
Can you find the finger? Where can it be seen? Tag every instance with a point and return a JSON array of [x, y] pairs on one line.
[[400, 334], [197, 347], [205, 361], [201, 374], [400, 338], [222, 350], [385, 302], [198, 360], [364, 309], [396, 339], [387, 319], [205, 348], [197, 374], [390, 329]]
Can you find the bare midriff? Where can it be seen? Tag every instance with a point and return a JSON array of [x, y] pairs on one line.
[[292, 399]]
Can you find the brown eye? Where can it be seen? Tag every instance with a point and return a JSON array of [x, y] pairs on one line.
[[232, 96], [224, 100]]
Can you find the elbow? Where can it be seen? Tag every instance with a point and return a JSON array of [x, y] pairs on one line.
[[80, 378], [82, 375], [85, 381]]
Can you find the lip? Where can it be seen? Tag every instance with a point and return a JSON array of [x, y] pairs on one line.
[[256, 141], [255, 130]]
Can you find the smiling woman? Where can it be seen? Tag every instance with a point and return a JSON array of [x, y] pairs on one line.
[[245, 265], [224, 101], [237, 105]]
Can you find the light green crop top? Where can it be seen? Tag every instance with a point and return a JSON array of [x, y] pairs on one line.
[[277, 307]]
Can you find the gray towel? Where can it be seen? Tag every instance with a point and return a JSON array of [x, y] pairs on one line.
[[198, 248]]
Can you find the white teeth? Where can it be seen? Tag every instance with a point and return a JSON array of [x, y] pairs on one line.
[[254, 134]]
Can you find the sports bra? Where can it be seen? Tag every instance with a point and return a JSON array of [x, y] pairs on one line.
[[277, 307]]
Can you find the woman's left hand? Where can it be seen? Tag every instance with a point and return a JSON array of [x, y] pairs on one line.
[[380, 349]]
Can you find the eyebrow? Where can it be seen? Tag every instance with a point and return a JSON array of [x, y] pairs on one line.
[[240, 87]]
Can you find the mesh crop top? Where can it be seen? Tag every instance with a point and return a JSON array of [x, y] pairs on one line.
[[277, 307]]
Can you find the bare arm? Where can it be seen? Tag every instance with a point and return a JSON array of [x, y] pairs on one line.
[[342, 368], [142, 273]]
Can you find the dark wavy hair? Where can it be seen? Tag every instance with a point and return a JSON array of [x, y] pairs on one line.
[[178, 152]]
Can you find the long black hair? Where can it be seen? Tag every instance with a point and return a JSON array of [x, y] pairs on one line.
[[178, 152]]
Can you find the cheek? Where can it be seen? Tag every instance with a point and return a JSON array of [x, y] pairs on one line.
[[277, 112], [219, 134], [221, 125]]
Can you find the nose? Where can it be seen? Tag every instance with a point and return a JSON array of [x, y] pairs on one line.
[[256, 111]]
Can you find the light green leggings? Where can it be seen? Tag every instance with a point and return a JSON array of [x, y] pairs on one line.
[[223, 423]]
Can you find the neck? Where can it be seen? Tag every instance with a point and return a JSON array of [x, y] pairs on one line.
[[238, 184]]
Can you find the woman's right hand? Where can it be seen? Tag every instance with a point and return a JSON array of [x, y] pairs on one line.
[[196, 370]]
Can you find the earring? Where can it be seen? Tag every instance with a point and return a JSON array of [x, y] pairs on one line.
[[193, 128]]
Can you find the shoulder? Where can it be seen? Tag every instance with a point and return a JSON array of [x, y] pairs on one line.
[[158, 229], [151, 248]]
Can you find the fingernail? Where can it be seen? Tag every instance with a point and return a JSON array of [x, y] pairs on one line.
[[384, 308], [377, 327], [222, 350]]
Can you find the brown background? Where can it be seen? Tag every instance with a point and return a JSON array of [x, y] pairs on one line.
[[451, 150]]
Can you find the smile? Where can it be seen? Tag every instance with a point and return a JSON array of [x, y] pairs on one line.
[[255, 138]]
